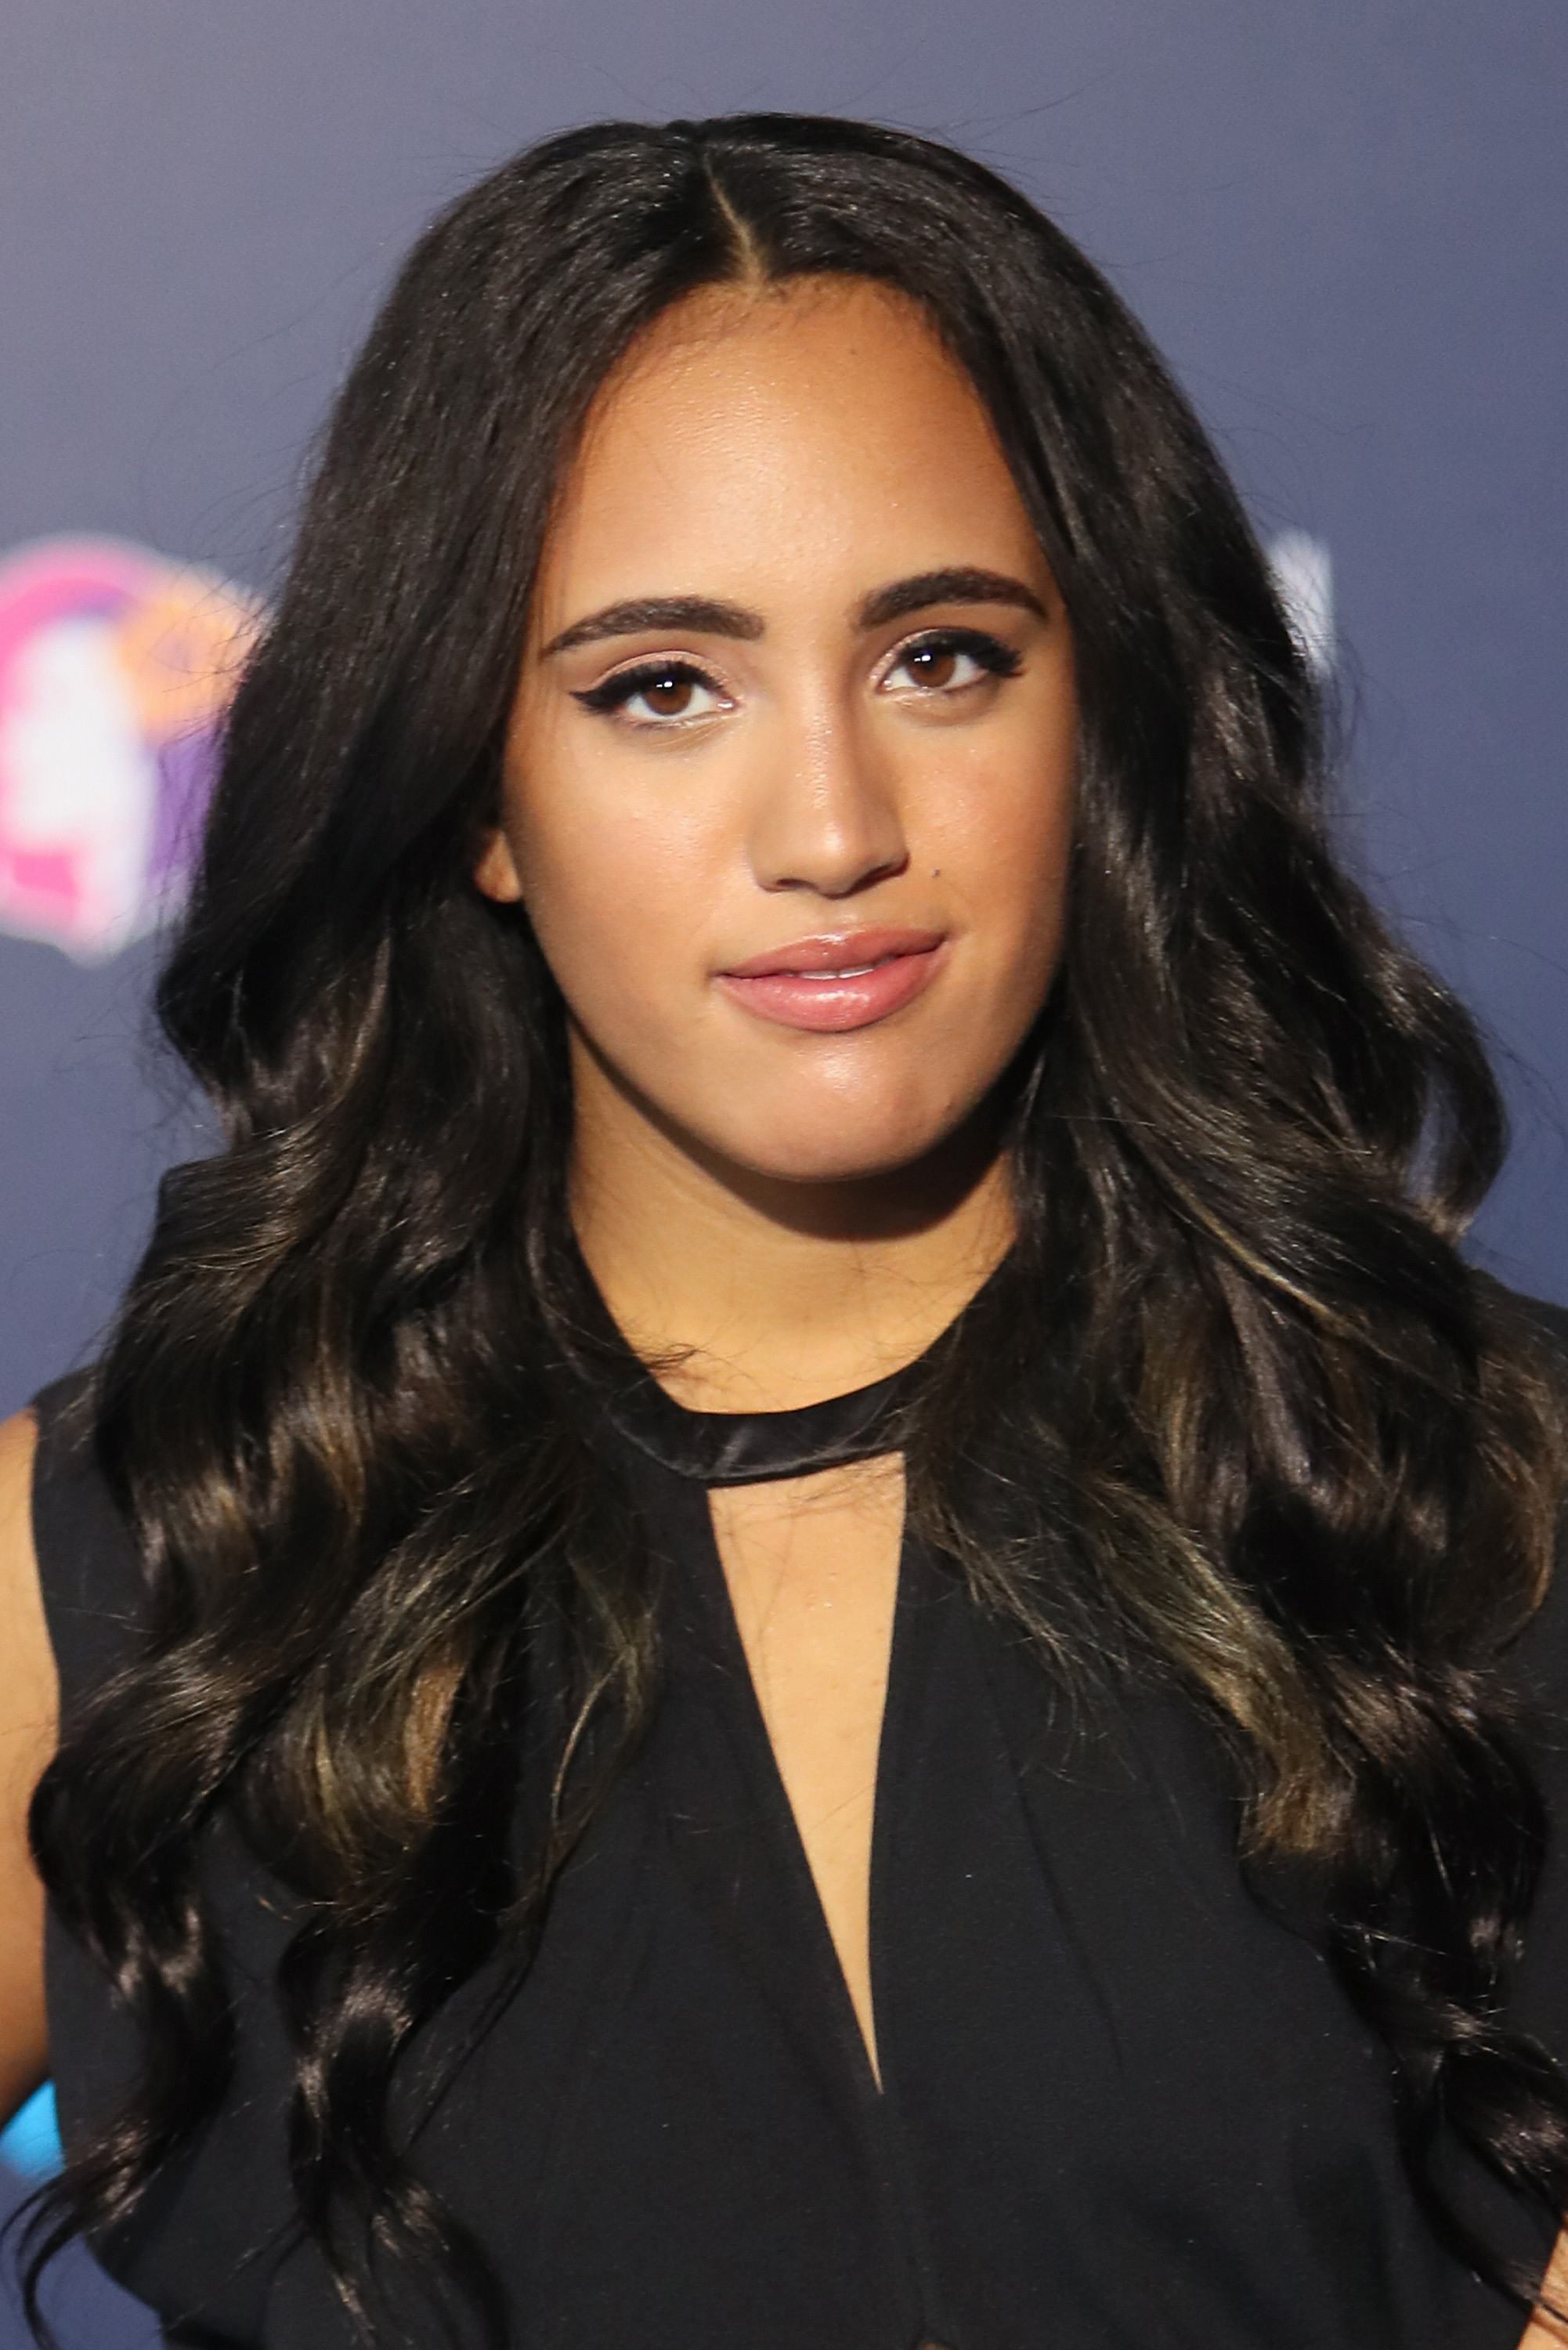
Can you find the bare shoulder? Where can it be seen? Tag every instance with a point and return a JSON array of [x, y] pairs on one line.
[[28, 1716], [18, 1442], [27, 1664]]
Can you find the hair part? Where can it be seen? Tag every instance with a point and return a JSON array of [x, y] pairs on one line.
[[1237, 1413]]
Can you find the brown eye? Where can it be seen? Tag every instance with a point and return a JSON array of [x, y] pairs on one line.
[[932, 665], [669, 696], [948, 664], [658, 695]]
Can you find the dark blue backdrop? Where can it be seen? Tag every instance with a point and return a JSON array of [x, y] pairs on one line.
[[1344, 222]]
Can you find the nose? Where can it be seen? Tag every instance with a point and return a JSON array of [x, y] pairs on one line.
[[827, 817]]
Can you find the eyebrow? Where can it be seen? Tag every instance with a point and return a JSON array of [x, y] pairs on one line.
[[641, 613], [959, 584]]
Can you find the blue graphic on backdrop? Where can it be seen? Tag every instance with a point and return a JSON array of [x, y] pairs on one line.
[[30, 2142]]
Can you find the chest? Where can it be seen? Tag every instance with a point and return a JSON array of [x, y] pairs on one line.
[[1117, 2103], [811, 1572]]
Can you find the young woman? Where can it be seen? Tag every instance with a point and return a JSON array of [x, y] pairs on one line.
[[806, 1607]]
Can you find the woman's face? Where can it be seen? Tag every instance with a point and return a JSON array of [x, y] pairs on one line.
[[789, 780]]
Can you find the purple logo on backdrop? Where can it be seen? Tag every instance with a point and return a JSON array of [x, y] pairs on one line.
[[116, 666]]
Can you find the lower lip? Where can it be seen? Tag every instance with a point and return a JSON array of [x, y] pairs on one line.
[[830, 1002]]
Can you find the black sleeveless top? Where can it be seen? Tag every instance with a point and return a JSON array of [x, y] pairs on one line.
[[1124, 2103]]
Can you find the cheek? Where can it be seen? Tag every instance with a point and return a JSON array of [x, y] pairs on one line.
[[1004, 848], [612, 886]]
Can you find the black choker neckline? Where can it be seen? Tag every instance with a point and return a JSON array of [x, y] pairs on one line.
[[747, 1448], [753, 1448]]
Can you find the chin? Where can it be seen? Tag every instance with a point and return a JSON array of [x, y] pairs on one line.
[[862, 1124], [841, 1150]]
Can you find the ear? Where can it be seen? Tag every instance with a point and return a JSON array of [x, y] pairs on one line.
[[495, 874]]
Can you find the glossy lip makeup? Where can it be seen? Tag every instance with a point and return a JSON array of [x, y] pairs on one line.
[[835, 983]]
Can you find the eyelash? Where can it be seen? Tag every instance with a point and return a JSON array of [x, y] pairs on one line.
[[987, 651], [614, 692]]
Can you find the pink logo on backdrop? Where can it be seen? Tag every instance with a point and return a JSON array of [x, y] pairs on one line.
[[116, 666]]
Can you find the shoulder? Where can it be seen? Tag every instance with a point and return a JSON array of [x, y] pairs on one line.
[[1535, 1670], [26, 1675], [29, 1720], [1533, 1664], [1540, 1325], [1541, 1329], [18, 1444], [1546, 1324], [85, 1562]]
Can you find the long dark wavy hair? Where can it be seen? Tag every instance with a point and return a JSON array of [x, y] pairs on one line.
[[1235, 1411]]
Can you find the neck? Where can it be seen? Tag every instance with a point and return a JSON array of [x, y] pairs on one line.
[[752, 1293]]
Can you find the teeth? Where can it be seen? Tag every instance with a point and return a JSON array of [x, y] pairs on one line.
[[857, 970]]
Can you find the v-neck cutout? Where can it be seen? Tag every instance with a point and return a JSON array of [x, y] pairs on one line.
[[811, 1786], [689, 1453]]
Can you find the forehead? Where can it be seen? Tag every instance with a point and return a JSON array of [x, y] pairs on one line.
[[766, 440]]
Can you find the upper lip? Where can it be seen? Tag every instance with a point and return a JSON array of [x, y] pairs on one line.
[[835, 951]]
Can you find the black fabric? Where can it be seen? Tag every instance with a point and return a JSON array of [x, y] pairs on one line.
[[1125, 2104], [735, 1448]]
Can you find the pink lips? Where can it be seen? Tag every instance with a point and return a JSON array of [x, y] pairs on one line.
[[839, 982]]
